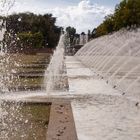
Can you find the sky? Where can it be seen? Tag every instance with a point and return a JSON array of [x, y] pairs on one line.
[[81, 14]]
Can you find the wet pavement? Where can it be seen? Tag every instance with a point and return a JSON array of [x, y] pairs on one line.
[[101, 113]]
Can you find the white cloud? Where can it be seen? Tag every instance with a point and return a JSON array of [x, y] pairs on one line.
[[25, 6], [83, 16]]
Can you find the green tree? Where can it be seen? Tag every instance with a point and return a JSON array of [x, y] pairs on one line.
[[71, 31], [126, 15], [31, 39], [29, 22]]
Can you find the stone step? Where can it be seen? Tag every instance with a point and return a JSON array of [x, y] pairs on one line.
[[35, 66], [25, 88]]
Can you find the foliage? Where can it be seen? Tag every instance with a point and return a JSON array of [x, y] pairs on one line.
[[126, 15], [31, 39], [29, 25], [71, 31]]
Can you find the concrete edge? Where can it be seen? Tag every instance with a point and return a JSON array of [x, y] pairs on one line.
[[61, 123]]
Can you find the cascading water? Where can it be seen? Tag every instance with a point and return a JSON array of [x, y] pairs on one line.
[[8, 114], [55, 73], [3, 30], [12, 123], [116, 58], [83, 39], [7, 63], [5, 66]]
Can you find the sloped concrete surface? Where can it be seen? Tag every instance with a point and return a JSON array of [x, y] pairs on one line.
[[100, 112]]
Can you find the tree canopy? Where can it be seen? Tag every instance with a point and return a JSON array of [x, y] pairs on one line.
[[71, 31], [34, 29], [126, 15]]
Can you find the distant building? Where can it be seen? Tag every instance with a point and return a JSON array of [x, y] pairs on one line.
[[83, 38]]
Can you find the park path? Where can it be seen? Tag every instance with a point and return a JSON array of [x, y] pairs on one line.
[[100, 112]]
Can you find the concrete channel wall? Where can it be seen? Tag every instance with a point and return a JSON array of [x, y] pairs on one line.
[[61, 123]]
